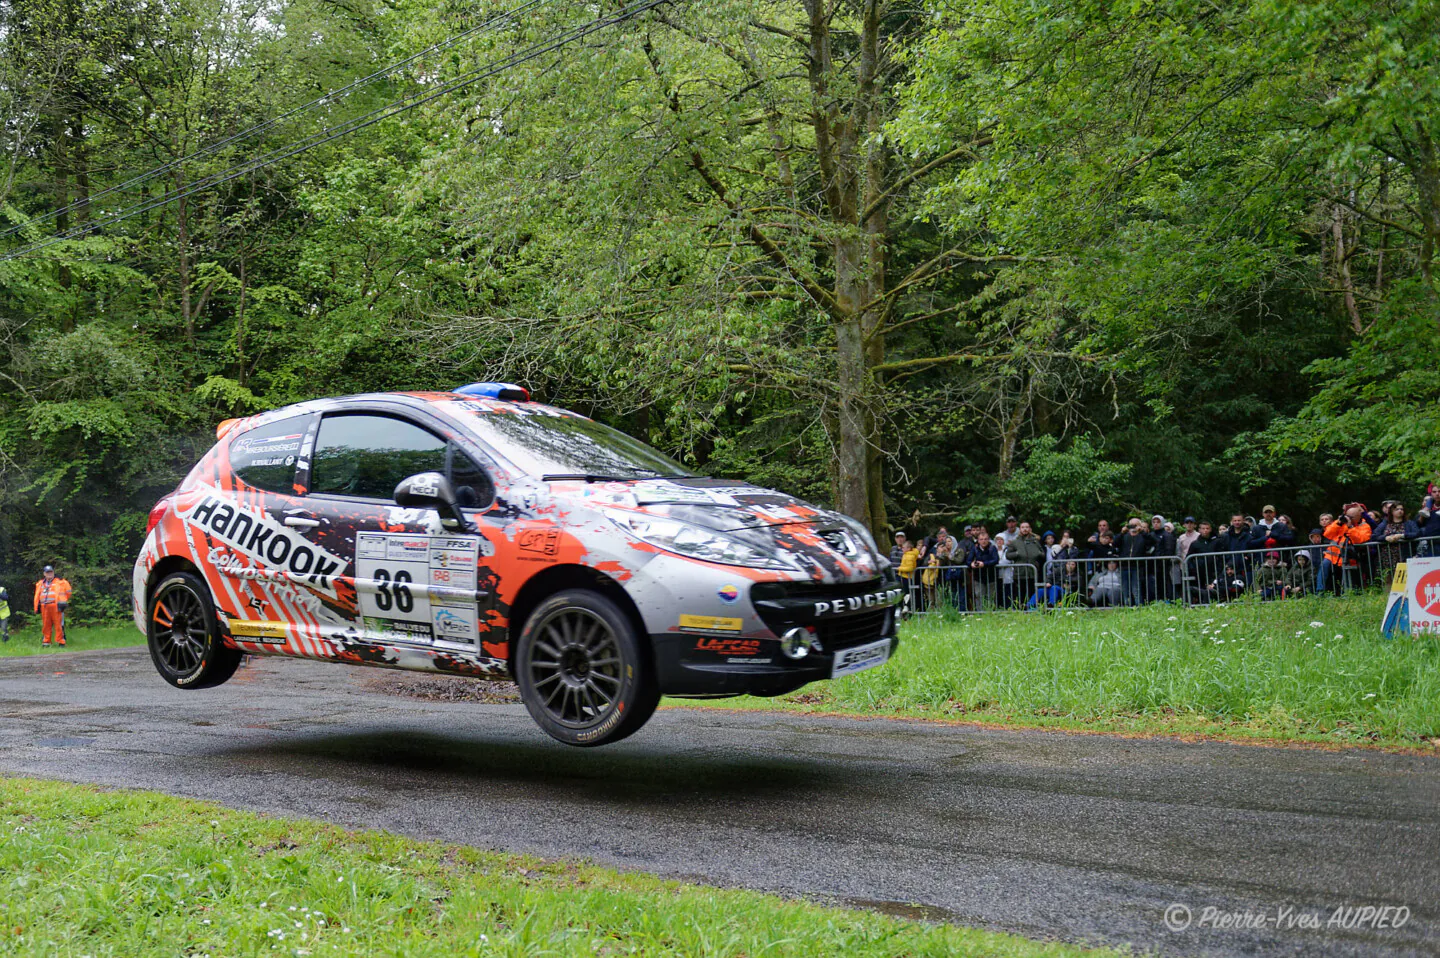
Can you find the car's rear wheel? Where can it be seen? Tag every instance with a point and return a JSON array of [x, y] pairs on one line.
[[582, 670], [184, 635]]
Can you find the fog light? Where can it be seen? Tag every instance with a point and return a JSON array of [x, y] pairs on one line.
[[795, 643]]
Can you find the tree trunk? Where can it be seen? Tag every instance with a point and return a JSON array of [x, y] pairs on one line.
[[852, 375], [1342, 270]]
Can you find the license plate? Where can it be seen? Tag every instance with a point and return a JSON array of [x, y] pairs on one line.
[[860, 658]]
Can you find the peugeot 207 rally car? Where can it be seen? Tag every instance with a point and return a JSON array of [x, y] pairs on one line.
[[477, 533]]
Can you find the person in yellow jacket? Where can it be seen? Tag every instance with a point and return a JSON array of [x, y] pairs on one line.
[[4, 614], [52, 598], [909, 559]]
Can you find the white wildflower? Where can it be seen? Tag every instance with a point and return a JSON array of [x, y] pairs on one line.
[[1317, 625]]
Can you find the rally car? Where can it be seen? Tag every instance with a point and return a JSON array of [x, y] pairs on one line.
[[478, 533]]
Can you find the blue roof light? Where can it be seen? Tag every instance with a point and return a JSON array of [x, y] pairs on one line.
[[506, 391]]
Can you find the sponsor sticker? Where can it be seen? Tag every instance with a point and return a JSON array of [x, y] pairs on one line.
[[728, 593], [454, 623], [246, 445], [747, 647], [259, 631], [541, 541], [269, 545], [709, 623], [407, 548], [398, 630]]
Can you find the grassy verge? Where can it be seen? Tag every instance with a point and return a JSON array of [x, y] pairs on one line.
[[86, 871], [1306, 670], [80, 638]]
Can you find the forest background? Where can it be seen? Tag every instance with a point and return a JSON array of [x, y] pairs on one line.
[[925, 262]]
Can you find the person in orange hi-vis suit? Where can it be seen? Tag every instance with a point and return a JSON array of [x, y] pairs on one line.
[[52, 597]]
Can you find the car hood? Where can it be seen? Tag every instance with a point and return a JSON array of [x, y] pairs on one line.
[[820, 540]]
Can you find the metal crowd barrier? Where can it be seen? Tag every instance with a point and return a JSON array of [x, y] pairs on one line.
[[1211, 577]]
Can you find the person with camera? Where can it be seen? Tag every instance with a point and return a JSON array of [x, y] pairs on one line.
[[1346, 533], [52, 598]]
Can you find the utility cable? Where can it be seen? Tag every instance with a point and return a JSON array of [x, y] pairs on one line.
[[493, 23], [350, 126]]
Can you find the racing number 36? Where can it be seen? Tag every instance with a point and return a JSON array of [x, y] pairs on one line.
[[393, 592]]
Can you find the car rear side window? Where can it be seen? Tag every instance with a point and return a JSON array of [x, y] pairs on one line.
[[367, 455], [265, 456]]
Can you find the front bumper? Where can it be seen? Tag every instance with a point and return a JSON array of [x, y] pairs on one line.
[[838, 618]]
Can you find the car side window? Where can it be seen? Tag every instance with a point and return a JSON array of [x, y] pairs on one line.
[[471, 483], [264, 457], [365, 455]]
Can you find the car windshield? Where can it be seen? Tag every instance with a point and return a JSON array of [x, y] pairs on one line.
[[571, 446]]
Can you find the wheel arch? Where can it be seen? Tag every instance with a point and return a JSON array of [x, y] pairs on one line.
[[558, 578], [164, 567]]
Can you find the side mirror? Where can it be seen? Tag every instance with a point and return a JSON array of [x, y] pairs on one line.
[[431, 490]]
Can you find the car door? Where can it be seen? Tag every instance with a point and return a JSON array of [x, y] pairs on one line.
[[271, 577], [414, 580]]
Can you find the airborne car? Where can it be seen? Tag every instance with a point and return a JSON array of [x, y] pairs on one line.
[[478, 533]]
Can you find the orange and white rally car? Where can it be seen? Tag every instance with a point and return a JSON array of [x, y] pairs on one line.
[[478, 533]]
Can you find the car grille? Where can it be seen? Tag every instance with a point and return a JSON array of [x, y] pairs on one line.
[[851, 630], [835, 632]]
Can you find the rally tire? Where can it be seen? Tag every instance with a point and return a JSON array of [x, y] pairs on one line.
[[183, 632], [584, 671]]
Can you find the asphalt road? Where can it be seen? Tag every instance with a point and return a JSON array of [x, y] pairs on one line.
[[1082, 838]]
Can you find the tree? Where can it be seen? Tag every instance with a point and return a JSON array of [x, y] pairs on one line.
[[733, 163]]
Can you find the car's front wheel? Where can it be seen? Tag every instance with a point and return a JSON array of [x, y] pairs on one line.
[[582, 670], [184, 635]]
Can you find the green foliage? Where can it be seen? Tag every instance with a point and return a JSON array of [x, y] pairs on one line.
[[1381, 402], [1070, 486], [1125, 248]]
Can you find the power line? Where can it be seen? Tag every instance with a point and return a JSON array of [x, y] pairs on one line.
[[350, 126], [493, 23]]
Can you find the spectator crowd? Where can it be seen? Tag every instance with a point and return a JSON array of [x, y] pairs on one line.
[[1196, 561]]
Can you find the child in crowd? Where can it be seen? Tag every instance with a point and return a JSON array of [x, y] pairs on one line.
[[1270, 579], [1227, 586], [1301, 579]]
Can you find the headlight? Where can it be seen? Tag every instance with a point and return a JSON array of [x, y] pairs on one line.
[[697, 542], [858, 527]]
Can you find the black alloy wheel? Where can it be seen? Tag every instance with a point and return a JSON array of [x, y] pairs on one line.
[[582, 670], [184, 636]]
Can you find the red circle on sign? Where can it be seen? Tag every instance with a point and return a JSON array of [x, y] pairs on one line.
[[1427, 592]]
